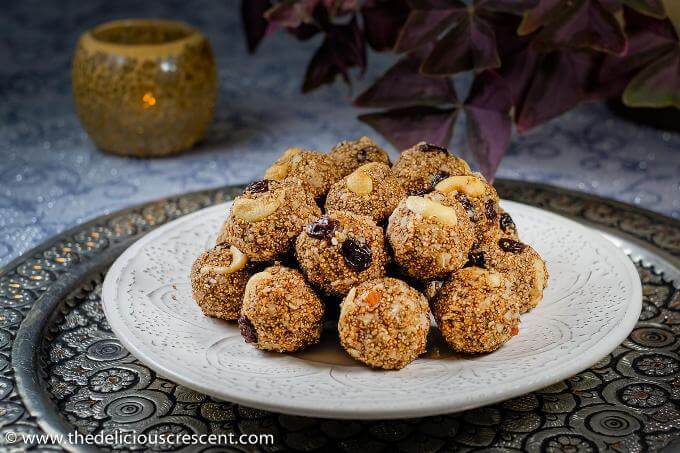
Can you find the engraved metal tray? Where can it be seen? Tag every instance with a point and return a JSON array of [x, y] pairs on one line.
[[61, 368]]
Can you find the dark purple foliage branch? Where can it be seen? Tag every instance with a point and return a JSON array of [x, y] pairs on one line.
[[532, 60]]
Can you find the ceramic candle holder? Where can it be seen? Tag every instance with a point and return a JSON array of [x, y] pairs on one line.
[[144, 87]]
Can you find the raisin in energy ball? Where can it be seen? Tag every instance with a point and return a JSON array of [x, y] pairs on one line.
[[422, 166], [523, 266], [267, 217], [316, 170], [476, 310], [371, 190], [341, 250], [280, 311], [218, 280], [384, 323], [507, 225], [430, 236], [350, 155], [478, 197]]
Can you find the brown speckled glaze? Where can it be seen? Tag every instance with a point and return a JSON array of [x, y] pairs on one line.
[[144, 87]]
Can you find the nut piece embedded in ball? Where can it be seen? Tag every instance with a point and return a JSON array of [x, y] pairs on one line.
[[430, 236], [218, 281], [476, 310], [420, 167], [384, 323], [316, 171], [264, 220], [477, 196], [468, 185], [341, 250], [359, 183], [431, 209], [371, 190], [280, 311], [350, 155]]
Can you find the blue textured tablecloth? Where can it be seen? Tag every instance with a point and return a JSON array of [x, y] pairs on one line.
[[52, 177]]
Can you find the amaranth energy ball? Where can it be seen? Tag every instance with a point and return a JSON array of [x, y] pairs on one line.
[[264, 221], [523, 266], [478, 197], [476, 310], [316, 170], [422, 166], [340, 250], [430, 236], [280, 311], [218, 281], [352, 154], [384, 323], [371, 190]]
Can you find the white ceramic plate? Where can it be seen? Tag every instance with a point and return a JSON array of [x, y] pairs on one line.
[[592, 302]]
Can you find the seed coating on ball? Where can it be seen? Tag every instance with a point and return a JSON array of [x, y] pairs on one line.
[[430, 236], [262, 224], [479, 198], [522, 265], [476, 310], [419, 165], [218, 281], [280, 311], [351, 252], [352, 154], [371, 190], [384, 323], [316, 171]]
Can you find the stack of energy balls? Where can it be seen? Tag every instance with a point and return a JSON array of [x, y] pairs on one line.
[[387, 244]]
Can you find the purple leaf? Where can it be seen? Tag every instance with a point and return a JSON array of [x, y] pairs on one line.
[[342, 49], [561, 79], [537, 17], [506, 6], [648, 39], [254, 23], [383, 20], [426, 21], [508, 42], [519, 59], [613, 6], [403, 85], [638, 22], [581, 24], [410, 125], [490, 92], [644, 47], [470, 44], [489, 124], [518, 72], [304, 31], [292, 14], [657, 85], [652, 8]]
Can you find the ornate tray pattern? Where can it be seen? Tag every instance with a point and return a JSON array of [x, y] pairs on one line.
[[61, 367]]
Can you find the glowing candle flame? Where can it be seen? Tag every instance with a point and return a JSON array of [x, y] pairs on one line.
[[148, 100]]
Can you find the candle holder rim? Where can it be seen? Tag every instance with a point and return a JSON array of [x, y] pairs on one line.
[[91, 39]]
